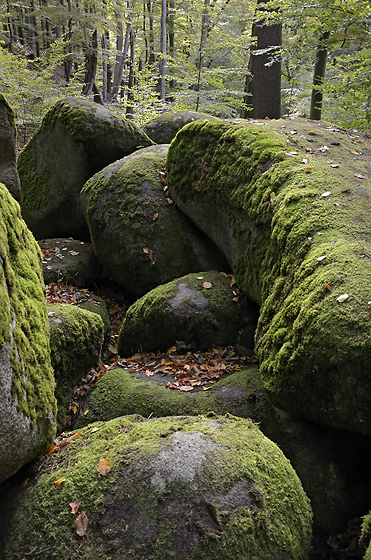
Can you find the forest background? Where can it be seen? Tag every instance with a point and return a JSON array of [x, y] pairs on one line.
[[144, 57]]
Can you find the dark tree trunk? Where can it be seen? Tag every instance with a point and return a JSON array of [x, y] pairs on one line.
[[163, 60], [90, 65], [264, 80], [318, 77], [130, 100]]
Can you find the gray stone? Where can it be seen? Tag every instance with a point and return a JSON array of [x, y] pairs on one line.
[[8, 153]]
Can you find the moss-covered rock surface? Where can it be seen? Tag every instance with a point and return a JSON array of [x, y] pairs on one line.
[[8, 154], [139, 236], [163, 128], [76, 338], [201, 310], [179, 488], [289, 203], [27, 402], [76, 139], [69, 261]]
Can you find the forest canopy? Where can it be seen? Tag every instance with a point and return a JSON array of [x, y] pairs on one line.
[[149, 56]]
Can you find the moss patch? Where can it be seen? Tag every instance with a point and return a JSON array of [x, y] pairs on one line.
[[76, 338], [179, 488], [23, 301], [274, 224]]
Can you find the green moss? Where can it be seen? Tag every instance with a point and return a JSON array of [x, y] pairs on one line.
[[35, 196], [23, 304], [73, 118], [272, 210], [176, 517]]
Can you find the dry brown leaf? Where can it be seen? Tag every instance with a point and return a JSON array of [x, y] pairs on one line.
[[81, 524], [185, 388], [59, 482], [74, 506], [207, 285], [104, 466]]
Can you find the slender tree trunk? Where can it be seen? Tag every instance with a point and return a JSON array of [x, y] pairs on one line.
[[171, 36], [90, 65], [201, 48], [263, 83], [104, 42], [130, 99], [318, 77], [121, 56], [151, 36], [163, 60]]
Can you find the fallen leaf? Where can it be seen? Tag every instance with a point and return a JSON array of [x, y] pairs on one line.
[[95, 429], [59, 482], [145, 250], [308, 170], [200, 277], [334, 165], [272, 196], [342, 298], [326, 285], [359, 176], [51, 313], [207, 388], [104, 466], [321, 258], [86, 412], [292, 154], [74, 506], [155, 216], [327, 193], [304, 160], [312, 132], [207, 285], [81, 524], [73, 253], [149, 373], [369, 304], [185, 388]]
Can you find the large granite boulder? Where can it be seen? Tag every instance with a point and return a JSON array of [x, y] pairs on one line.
[[76, 139], [139, 236], [170, 488], [27, 402], [163, 129], [8, 153], [289, 203], [76, 339], [201, 310]]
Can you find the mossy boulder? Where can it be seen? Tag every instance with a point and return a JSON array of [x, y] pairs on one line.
[[201, 310], [76, 338], [119, 393], [289, 203], [27, 401], [69, 261], [76, 139], [180, 488], [139, 236], [163, 128], [332, 465], [8, 154]]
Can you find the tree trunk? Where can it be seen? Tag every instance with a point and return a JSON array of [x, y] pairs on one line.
[[264, 81], [151, 36], [201, 48], [318, 77], [130, 100], [163, 61], [90, 65], [122, 52]]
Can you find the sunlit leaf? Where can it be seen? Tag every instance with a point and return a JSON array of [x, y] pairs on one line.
[[327, 193], [326, 285], [207, 285], [104, 466], [321, 258], [186, 388], [59, 482], [342, 298]]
